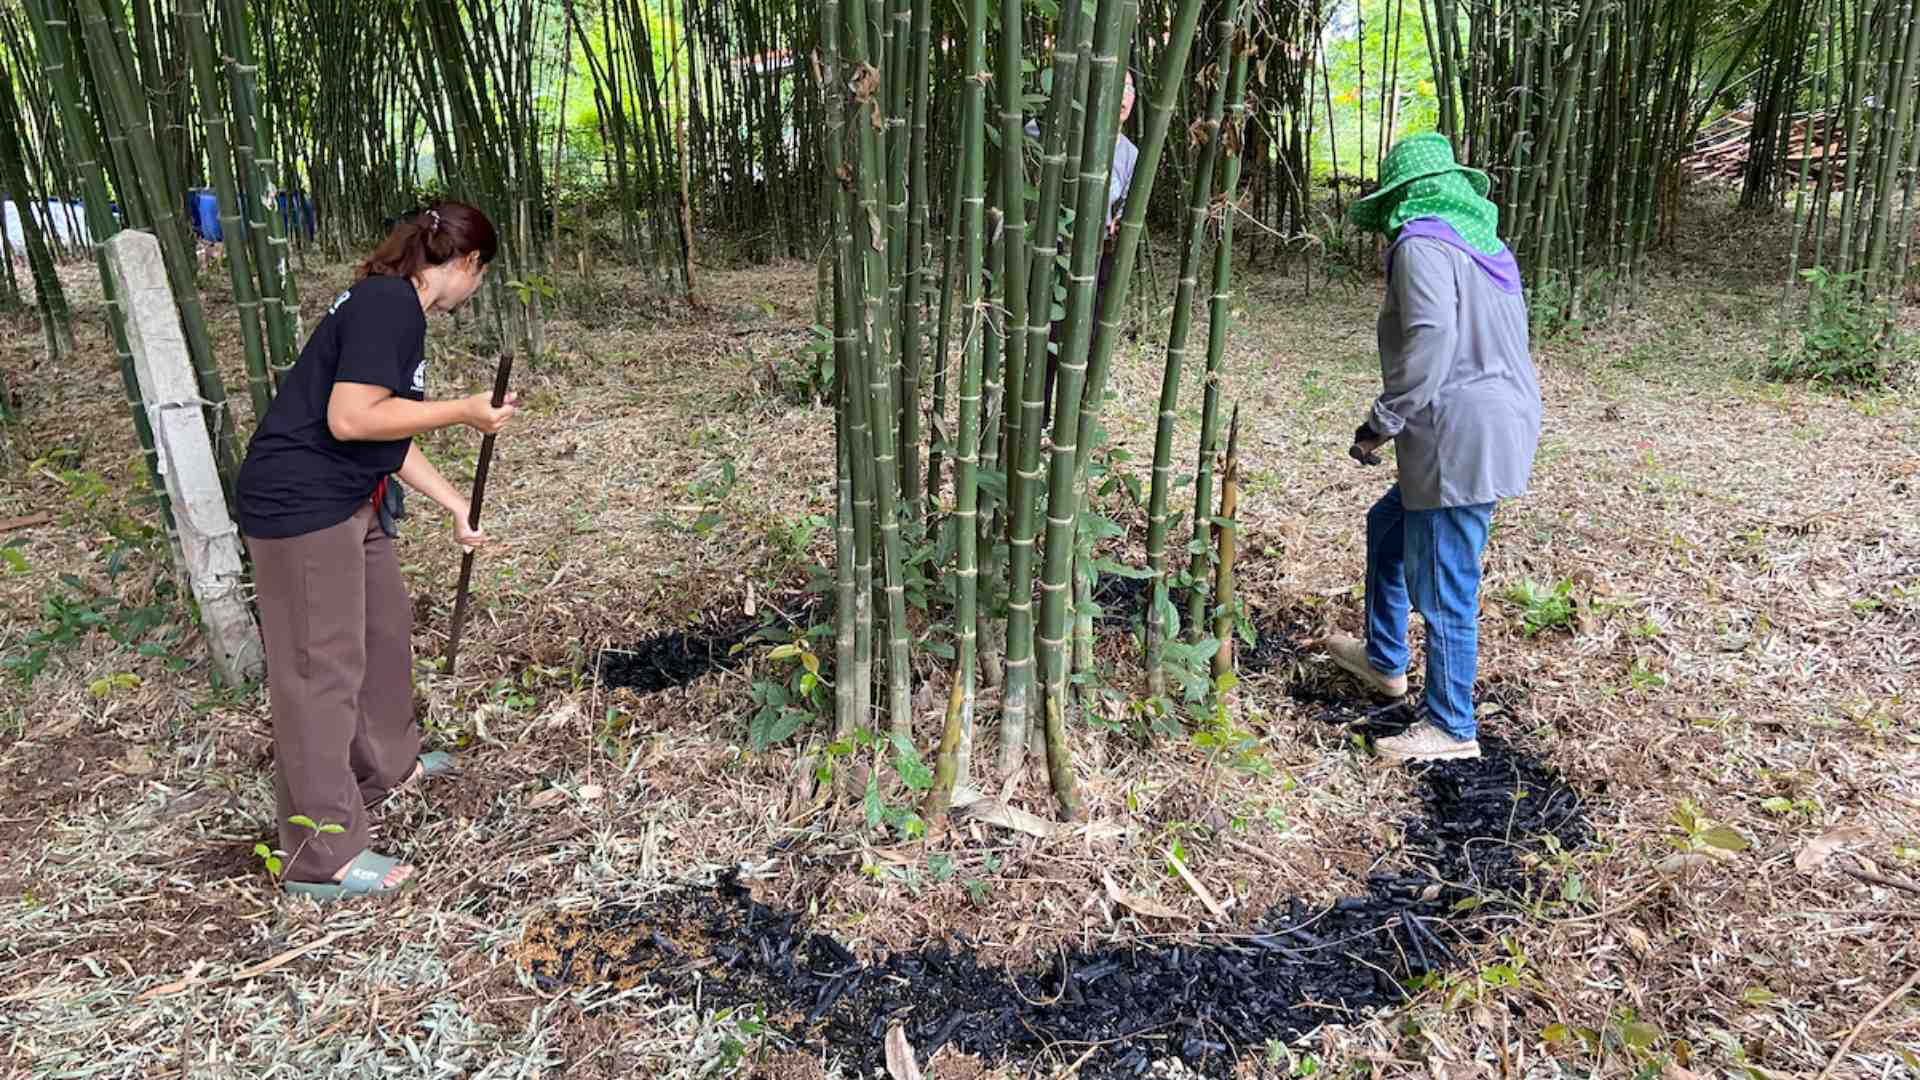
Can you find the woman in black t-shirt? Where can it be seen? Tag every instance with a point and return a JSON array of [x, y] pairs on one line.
[[333, 607]]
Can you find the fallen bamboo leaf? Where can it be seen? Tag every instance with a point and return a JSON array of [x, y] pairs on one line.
[[900, 1063], [801, 787], [561, 717], [592, 791], [1725, 838], [1102, 830], [138, 762], [1637, 940], [1139, 905], [995, 812], [1199, 890], [284, 958], [896, 856], [1683, 860], [1817, 851], [546, 798], [191, 980], [191, 977]]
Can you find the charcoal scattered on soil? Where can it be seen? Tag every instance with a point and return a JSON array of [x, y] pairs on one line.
[[1280, 639], [678, 657], [1491, 697], [1129, 1006], [1122, 599], [671, 659]]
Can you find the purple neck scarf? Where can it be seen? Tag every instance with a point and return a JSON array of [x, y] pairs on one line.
[[1501, 269]]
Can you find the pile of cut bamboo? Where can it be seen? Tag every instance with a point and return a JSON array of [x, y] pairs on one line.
[[1721, 151]]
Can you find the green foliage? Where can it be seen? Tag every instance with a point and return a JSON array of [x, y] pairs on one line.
[[1189, 666], [516, 694], [740, 1032], [1647, 1051], [276, 860], [1641, 677], [1460, 988], [1847, 337], [1351, 55], [785, 705], [1225, 741], [1542, 607], [105, 686], [812, 368], [980, 890], [1699, 833], [909, 769], [792, 538], [1548, 301], [75, 612], [271, 858], [1780, 804], [711, 493], [1347, 255]]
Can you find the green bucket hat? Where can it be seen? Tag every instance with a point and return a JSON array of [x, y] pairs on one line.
[[1412, 158]]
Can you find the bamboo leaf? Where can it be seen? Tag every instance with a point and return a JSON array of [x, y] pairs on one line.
[[913, 771], [1726, 838]]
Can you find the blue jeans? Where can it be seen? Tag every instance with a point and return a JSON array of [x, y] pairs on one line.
[[1430, 558]]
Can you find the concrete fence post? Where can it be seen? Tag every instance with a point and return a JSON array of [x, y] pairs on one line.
[[209, 541]]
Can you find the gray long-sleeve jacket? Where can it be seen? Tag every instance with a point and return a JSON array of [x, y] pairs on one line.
[[1461, 398], [1120, 177]]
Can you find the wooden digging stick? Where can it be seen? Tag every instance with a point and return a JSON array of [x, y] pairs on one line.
[[473, 515]]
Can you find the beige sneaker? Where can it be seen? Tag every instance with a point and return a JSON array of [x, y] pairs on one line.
[[1425, 742], [1350, 655]]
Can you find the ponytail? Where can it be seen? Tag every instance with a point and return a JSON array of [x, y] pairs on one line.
[[446, 230]]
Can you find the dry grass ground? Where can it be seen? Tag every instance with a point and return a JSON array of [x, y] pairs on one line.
[[1744, 561]]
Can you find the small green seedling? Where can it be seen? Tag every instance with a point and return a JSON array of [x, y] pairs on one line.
[[1542, 607], [276, 860], [1704, 834]]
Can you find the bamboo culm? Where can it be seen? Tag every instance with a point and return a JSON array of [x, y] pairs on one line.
[[1162, 617]]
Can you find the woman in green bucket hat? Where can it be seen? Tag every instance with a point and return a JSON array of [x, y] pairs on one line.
[[1461, 403]]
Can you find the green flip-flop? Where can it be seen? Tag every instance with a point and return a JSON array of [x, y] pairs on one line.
[[433, 763], [366, 876]]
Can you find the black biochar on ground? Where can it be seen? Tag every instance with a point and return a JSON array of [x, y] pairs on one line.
[[1125, 1006]]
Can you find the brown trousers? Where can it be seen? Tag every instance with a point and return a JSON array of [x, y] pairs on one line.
[[339, 639]]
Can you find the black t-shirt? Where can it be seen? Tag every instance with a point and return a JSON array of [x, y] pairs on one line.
[[297, 477]]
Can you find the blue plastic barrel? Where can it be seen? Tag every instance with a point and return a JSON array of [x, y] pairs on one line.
[[203, 213], [296, 212]]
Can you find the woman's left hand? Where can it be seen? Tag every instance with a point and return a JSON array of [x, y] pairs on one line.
[[463, 534], [470, 538]]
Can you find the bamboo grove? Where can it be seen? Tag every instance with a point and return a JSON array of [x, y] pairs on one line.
[[1583, 112], [1006, 493], [664, 120], [937, 160]]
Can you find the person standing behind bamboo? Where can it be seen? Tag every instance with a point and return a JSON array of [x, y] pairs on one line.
[[1119, 183], [315, 503], [1461, 403]]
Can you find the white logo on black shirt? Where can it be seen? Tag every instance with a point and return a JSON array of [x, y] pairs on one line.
[[338, 300], [420, 377]]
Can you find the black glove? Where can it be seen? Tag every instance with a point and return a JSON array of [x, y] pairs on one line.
[[1364, 434]]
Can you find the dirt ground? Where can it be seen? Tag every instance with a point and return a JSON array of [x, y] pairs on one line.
[[1735, 693]]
